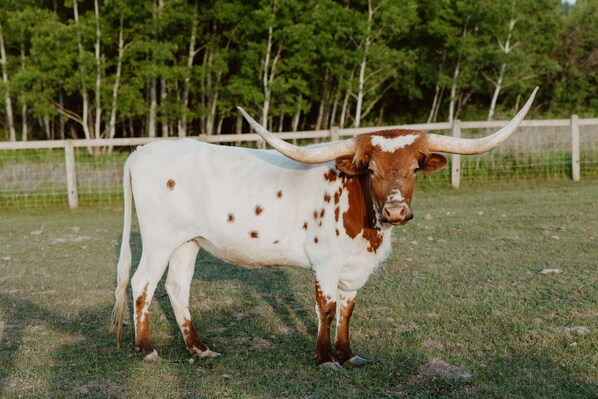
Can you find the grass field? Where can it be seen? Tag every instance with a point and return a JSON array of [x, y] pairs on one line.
[[462, 293]]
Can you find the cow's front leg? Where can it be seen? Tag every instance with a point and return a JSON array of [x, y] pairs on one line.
[[344, 310], [326, 309]]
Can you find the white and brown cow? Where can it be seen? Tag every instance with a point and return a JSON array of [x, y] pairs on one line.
[[326, 208]]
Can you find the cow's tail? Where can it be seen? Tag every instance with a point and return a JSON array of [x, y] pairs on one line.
[[124, 260]]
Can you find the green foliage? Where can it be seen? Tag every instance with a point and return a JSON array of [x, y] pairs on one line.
[[413, 52]]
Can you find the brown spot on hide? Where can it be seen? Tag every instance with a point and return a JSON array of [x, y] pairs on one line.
[[170, 184], [337, 198], [330, 175], [253, 234], [305, 226], [337, 211], [191, 339], [320, 224], [230, 218], [360, 218], [142, 328], [258, 210], [316, 240], [326, 311], [315, 214], [341, 343], [326, 197], [279, 194], [322, 212], [337, 233], [275, 242]]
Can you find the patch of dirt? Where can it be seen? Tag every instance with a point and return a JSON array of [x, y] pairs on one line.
[[253, 343], [100, 388], [431, 344], [403, 328], [576, 330], [436, 367]]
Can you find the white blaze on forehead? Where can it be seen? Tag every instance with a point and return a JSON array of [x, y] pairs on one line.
[[393, 144]]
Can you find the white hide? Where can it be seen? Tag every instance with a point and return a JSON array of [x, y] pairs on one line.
[[210, 182]]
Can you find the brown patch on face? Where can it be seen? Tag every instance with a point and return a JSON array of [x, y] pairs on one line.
[[305, 226], [191, 339], [326, 197], [142, 329], [361, 215], [258, 210], [279, 194], [316, 240], [326, 310], [253, 234], [230, 218], [170, 184], [330, 176], [341, 343]]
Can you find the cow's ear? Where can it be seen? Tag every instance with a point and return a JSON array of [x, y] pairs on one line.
[[433, 162], [351, 166]]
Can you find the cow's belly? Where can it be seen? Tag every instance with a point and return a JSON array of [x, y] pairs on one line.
[[255, 255]]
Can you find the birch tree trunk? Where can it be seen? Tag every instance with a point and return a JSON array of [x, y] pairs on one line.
[[98, 103], [24, 125], [9, 114], [498, 84], [268, 76], [366, 47], [85, 114], [453, 98], [182, 126], [121, 51]]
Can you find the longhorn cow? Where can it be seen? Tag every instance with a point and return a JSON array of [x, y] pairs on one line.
[[326, 208]]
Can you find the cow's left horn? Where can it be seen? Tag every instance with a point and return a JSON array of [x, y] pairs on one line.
[[456, 145], [311, 154]]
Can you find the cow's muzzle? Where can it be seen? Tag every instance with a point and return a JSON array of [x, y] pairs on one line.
[[397, 213]]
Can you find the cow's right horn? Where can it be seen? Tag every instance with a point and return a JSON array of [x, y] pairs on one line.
[[311, 154], [456, 145]]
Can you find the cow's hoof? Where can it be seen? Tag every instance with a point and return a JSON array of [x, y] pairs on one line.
[[358, 361], [152, 356], [205, 354], [333, 366]]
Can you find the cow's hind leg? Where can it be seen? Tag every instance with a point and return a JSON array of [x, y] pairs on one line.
[[345, 304], [148, 274], [178, 286]]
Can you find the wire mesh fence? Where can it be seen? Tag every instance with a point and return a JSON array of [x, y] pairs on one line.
[[37, 178]]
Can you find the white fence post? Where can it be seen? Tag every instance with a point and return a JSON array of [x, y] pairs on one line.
[[71, 174], [334, 133], [575, 175], [456, 158]]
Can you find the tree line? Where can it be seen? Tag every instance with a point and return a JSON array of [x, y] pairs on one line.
[[118, 68]]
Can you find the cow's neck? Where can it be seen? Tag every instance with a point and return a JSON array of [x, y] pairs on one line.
[[362, 216]]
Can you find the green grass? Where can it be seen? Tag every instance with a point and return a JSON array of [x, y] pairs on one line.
[[463, 285]]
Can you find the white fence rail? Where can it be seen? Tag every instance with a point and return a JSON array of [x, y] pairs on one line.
[[573, 125]]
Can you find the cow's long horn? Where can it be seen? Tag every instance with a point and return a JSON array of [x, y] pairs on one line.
[[311, 154], [456, 145]]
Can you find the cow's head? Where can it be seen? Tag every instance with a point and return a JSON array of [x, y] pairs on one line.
[[391, 158], [389, 161]]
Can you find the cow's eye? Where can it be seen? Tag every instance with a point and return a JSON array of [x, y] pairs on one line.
[[371, 171]]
